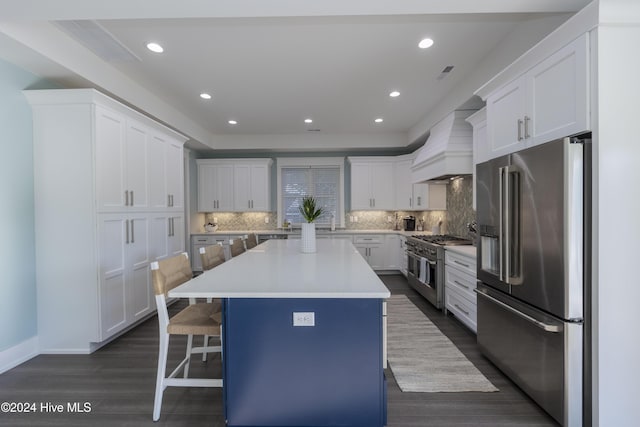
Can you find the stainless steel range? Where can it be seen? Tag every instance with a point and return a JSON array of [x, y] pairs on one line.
[[425, 269]]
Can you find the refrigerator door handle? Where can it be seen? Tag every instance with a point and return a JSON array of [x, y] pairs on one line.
[[544, 326], [512, 245], [501, 225]]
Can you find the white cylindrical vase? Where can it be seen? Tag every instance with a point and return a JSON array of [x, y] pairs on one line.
[[308, 238]]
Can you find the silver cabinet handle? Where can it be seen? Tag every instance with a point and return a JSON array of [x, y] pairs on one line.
[[461, 263], [132, 203], [460, 284], [133, 234], [419, 201], [410, 202], [462, 310], [374, 202], [127, 227], [520, 130], [169, 224], [168, 200], [526, 126], [544, 326], [172, 203], [126, 197]]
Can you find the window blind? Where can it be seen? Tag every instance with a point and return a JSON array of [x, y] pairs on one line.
[[321, 182]]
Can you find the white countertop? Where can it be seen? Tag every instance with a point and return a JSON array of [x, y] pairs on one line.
[[277, 269], [467, 250], [318, 231]]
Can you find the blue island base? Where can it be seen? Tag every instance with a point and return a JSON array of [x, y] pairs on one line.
[[328, 374]]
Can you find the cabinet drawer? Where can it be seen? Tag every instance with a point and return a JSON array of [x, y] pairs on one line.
[[461, 282], [462, 308], [209, 240], [463, 262], [370, 239]]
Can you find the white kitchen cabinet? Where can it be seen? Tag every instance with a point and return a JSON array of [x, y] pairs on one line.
[[234, 185], [416, 197], [480, 150], [215, 186], [372, 183], [125, 281], [175, 228], [252, 185], [460, 282], [175, 175], [547, 102], [123, 178], [372, 248], [95, 221], [166, 173]]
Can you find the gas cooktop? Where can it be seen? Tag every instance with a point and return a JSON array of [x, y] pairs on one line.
[[443, 239]]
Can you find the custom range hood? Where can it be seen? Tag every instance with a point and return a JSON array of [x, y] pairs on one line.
[[448, 151]]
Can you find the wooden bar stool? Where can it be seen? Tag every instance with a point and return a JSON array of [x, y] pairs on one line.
[[195, 319]]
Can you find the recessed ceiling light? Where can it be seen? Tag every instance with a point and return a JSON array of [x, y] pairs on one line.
[[425, 43], [308, 121], [233, 122], [205, 96], [394, 94], [155, 47], [378, 120]]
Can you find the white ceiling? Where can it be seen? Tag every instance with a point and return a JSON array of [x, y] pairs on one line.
[[269, 68]]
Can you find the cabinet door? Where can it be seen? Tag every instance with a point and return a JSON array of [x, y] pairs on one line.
[[360, 187], [557, 89], [110, 160], [377, 257], [112, 230], [392, 248], [175, 175], [159, 237], [403, 186], [260, 194], [431, 197], [224, 187], [138, 282], [137, 165], [382, 186], [207, 188], [505, 118], [157, 172], [176, 236], [242, 187]]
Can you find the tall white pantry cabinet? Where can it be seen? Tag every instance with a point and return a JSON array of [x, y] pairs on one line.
[[109, 192]]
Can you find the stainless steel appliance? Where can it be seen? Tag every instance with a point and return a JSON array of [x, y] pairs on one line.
[[409, 223], [425, 264], [533, 261]]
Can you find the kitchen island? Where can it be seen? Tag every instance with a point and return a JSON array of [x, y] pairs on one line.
[[303, 335]]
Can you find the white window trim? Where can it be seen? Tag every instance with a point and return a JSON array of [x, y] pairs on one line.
[[302, 162]]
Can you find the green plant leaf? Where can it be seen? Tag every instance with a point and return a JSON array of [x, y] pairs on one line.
[[308, 209]]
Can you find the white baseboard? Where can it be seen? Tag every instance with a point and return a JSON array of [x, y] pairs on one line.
[[12, 357]]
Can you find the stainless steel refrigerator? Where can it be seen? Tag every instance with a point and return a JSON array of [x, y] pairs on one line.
[[533, 256]]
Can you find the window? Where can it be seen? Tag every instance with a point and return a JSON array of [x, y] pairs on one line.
[[322, 178]]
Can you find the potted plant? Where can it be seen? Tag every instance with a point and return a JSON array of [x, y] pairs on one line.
[[310, 212]]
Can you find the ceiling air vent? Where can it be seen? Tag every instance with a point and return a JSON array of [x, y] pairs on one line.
[[445, 72], [97, 39]]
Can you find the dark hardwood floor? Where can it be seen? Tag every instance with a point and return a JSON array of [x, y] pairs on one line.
[[118, 382]]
